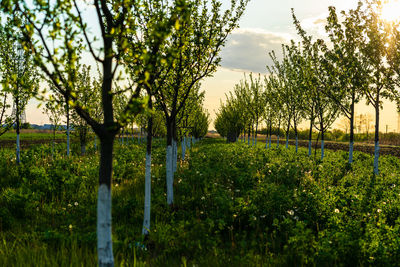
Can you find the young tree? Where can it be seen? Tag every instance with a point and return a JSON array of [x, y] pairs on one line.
[[373, 46], [195, 44], [52, 110], [20, 77]]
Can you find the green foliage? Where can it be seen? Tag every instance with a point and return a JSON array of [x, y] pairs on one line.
[[234, 204]]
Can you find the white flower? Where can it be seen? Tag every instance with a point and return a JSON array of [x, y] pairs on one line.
[[69, 205], [116, 185], [379, 210], [70, 227], [290, 212], [76, 204], [337, 210]]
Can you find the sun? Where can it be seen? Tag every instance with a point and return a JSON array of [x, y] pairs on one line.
[[391, 10]]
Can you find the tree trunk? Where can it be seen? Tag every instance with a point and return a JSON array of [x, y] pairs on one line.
[[322, 142], [147, 187], [17, 122], [248, 136], [310, 133], [297, 137], [287, 135], [351, 130], [53, 143], [270, 133], [183, 145], [279, 129], [169, 165], [104, 239], [255, 137], [68, 140], [376, 153]]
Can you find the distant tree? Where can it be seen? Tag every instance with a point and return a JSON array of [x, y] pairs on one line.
[[20, 76], [52, 110]]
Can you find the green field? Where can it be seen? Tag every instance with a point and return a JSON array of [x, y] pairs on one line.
[[233, 204], [33, 135]]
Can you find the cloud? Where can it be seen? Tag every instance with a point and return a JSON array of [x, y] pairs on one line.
[[247, 49]]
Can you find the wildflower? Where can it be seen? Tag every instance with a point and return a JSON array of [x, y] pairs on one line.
[[76, 204], [337, 210], [379, 210], [69, 205], [290, 212], [203, 198], [70, 227], [116, 185], [384, 202]]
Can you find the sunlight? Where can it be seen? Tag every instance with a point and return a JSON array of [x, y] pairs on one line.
[[391, 10]]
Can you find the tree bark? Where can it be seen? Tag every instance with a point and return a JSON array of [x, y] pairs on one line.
[[104, 239], [169, 163], [147, 187], [17, 122], [68, 139], [351, 145], [376, 153]]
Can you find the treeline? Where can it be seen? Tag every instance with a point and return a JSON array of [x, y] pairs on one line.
[[319, 80]]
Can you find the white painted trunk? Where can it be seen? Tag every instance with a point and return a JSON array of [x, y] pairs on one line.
[[68, 141], [52, 149], [183, 145], [104, 240], [376, 158], [322, 149], [287, 141], [309, 148], [351, 152], [147, 196], [175, 154], [170, 176], [18, 152]]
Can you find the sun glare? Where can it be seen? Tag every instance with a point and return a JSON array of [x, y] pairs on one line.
[[391, 10]]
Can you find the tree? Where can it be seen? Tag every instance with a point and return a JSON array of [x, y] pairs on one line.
[[52, 110], [195, 44], [228, 122], [20, 77], [346, 61], [88, 93], [6, 121], [375, 37]]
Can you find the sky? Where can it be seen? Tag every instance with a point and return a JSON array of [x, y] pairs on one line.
[[265, 25]]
